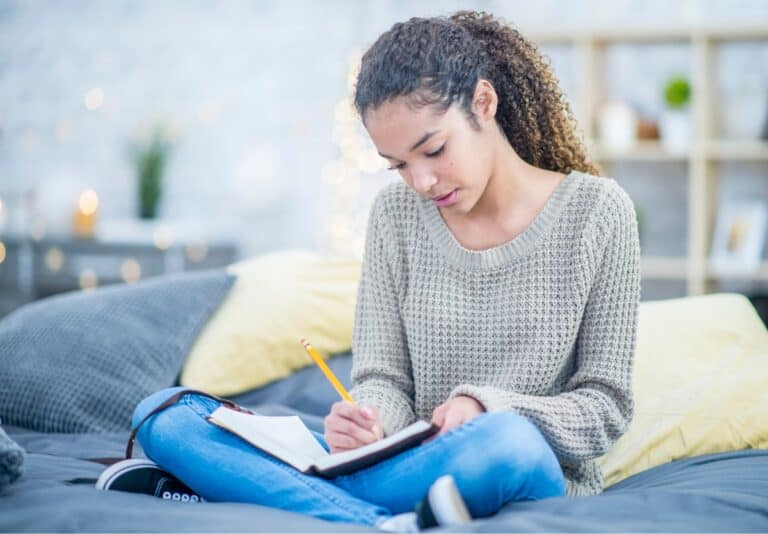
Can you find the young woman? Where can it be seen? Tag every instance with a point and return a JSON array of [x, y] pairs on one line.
[[498, 298]]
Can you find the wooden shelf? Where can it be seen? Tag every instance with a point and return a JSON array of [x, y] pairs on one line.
[[761, 275], [702, 161], [642, 151], [679, 268], [719, 150], [664, 268], [737, 150], [650, 35]]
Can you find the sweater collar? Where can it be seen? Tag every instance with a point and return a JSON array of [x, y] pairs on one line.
[[508, 252]]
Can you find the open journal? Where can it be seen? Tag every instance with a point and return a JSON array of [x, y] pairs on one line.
[[289, 440]]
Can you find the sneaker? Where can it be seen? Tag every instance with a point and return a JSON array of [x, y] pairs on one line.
[[144, 476], [443, 506]]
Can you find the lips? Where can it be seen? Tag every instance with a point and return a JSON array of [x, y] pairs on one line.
[[445, 200], [442, 197]]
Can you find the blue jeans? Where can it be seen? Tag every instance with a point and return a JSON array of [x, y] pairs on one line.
[[495, 458]]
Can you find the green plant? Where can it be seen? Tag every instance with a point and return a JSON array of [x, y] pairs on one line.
[[150, 158], [677, 92]]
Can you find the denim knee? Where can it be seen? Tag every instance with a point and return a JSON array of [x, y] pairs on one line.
[[150, 402], [512, 445]]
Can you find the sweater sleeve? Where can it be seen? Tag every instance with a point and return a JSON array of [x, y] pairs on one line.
[[596, 405], [381, 366]]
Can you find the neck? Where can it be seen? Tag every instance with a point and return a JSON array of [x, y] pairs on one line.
[[513, 186]]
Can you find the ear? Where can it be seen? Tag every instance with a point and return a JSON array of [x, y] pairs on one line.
[[485, 101]]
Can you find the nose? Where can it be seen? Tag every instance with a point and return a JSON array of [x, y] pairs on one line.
[[423, 180]]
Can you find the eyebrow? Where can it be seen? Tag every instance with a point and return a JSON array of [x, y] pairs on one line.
[[418, 143]]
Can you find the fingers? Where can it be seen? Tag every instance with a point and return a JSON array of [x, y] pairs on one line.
[[342, 442], [372, 414], [365, 417], [349, 427], [438, 416], [447, 417], [452, 420]]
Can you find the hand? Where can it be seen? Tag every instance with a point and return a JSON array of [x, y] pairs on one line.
[[455, 412], [349, 426]]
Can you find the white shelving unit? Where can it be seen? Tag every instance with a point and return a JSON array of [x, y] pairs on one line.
[[705, 154]]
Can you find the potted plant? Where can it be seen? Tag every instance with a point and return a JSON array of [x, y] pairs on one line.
[[639, 215], [676, 121], [150, 158]]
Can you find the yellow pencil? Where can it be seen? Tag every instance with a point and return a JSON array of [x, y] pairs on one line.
[[326, 371]]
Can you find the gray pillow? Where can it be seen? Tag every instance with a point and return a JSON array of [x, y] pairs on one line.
[[80, 362]]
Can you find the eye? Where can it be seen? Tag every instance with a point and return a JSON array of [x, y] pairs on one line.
[[436, 152]]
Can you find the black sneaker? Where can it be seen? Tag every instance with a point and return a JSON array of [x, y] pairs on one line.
[[144, 476], [443, 506]]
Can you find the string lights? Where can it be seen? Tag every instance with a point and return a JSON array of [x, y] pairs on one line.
[[130, 270], [163, 237], [88, 280], [54, 259], [94, 99], [344, 230]]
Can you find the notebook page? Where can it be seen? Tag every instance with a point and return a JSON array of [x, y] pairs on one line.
[[285, 437], [338, 458]]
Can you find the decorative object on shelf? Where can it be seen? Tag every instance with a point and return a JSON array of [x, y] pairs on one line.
[[617, 126], [86, 214], [151, 158], [647, 129], [676, 119], [737, 245]]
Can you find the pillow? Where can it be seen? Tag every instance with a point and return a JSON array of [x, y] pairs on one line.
[[80, 362], [307, 390], [278, 298], [700, 382]]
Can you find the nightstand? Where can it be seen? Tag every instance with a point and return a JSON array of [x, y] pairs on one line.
[[36, 268]]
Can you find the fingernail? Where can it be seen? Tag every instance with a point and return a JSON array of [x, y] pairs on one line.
[[367, 412]]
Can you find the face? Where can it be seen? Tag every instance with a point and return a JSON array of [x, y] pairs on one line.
[[442, 156]]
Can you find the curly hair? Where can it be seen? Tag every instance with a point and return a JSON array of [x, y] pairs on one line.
[[438, 61]]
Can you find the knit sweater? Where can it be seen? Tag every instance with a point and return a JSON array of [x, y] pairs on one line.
[[543, 325]]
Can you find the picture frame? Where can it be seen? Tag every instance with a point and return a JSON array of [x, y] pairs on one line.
[[739, 237]]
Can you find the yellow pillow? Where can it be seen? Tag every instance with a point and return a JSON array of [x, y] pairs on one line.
[[278, 298], [700, 383]]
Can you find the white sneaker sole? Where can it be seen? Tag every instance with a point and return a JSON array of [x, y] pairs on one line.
[[446, 503], [110, 473]]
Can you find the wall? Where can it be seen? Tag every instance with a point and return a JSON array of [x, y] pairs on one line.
[[251, 89]]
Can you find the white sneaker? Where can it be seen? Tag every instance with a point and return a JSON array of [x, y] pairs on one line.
[[400, 523], [445, 505], [442, 507]]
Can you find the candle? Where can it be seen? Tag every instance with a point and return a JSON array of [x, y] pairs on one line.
[[84, 222]]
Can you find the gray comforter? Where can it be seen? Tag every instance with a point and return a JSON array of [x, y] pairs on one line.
[[720, 492]]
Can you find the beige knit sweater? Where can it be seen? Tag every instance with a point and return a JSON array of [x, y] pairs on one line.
[[543, 325]]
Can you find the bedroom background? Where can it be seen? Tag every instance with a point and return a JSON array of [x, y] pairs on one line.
[[145, 145], [242, 109]]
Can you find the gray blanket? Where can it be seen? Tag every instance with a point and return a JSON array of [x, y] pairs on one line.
[[722, 492]]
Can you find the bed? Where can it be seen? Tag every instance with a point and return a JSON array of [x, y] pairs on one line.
[[714, 492], [55, 382]]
